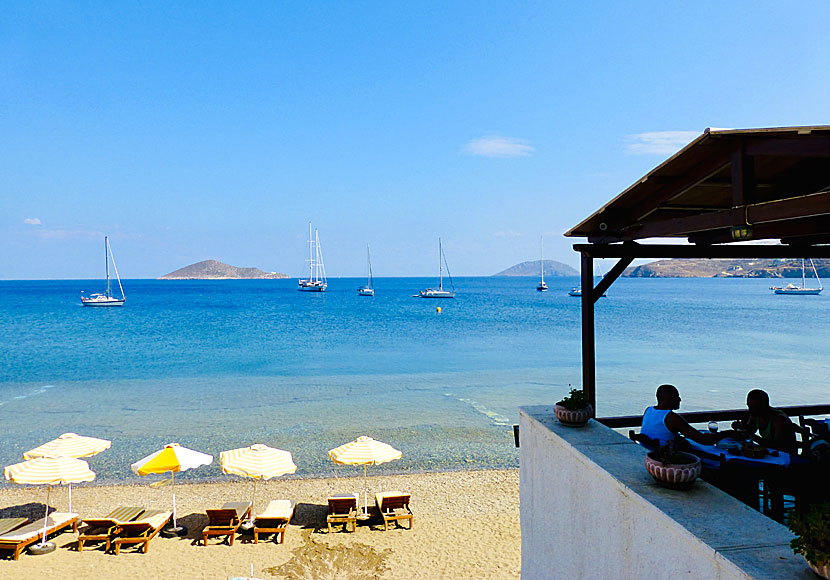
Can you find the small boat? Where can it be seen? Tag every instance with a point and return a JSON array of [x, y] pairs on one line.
[[316, 281], [576, 291], [541, 286], [368, 289], [106, 299], [439, 292], [802, 290]]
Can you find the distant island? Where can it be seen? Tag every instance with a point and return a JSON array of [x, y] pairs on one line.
[[215, 270], [552, 269], [719, 268]]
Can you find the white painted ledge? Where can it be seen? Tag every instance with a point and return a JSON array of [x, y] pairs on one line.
[[590, 510]]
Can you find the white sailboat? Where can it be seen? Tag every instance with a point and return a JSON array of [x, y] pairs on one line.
[[803, 290], [541, 286], [368, 289], [316, 281], [576, 291], [106, 299], [439, 292]]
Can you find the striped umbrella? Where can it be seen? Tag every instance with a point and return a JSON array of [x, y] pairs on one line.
[[70, 445], [49, 471], [364, 451], [257, 462], [173, 458]]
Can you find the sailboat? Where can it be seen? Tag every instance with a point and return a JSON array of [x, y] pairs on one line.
[[576, 291], [803, 290], [316, 281], [368, 289], [106, 299], [439, 292], [541, 286]]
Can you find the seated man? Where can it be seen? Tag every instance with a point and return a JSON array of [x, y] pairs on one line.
[[774, 428], [663, 425]]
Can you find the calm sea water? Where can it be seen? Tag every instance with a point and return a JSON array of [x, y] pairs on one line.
[[218, 365]]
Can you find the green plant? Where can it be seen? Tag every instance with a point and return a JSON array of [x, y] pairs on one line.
[[812, 529], [575, 400]]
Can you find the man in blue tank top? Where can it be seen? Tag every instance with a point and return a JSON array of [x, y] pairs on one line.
[[662, 424]]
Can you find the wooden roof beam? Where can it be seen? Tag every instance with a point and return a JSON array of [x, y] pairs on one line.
[[730, 251]]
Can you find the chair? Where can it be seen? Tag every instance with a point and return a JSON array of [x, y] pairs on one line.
[[394, 506], [643, 440], [99, 529], [343, 510], [226, 520], [19, 538], [139, 531], [274, 520]]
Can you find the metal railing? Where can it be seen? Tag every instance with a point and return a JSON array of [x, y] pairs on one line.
[[719, 415]]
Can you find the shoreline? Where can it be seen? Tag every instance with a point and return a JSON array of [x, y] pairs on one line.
[[466, 526]]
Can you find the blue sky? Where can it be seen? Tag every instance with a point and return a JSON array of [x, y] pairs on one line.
[[189, 131]]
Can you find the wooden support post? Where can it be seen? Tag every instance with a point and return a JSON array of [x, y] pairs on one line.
[[588, 350]]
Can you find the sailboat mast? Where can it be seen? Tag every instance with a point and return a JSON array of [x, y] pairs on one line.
[[107, 263], [310, 254], [368, 267], [542, 257], [440, 267], [803, 277]]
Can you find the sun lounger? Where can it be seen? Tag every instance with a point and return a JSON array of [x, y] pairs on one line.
[[343, 510], [100, 529], [394, 506], [274, 520], [19, 538], [139, 531], [9, 524], [226, 521]]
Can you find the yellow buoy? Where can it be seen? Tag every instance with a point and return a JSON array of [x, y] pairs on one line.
[[438, 309]]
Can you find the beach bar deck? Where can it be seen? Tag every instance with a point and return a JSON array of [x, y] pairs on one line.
[[588, 508]]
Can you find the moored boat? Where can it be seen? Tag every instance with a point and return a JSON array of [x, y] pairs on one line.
[[106, 299]]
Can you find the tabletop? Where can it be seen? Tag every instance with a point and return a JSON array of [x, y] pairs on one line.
[[782, 459]]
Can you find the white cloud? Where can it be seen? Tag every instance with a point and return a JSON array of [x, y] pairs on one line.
[[506, 234], [32, 221], [659, 142], [495, 146]]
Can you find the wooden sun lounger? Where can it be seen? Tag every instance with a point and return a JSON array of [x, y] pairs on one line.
[[9, 524], [394, 506], [274, 520], [226, 521], [139, 531], [101, 529], [343, 510], [21, 537]]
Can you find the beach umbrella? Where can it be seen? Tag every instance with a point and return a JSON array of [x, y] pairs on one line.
[[70, 445], [49, 471], [364, 451], [257, 462], [173, 458]]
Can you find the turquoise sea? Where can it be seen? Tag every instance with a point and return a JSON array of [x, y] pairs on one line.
[[216, 365]]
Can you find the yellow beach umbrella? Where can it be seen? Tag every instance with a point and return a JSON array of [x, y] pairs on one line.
[[49, 471], [364, 451], [173, 458], [70, 445], [257, 462]]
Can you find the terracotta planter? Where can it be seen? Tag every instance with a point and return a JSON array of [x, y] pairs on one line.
[[823, 571], [576, 418], [674, 475]]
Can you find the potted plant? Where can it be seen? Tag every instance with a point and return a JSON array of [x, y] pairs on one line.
[[812, 530], [671, 468], [574, 410]]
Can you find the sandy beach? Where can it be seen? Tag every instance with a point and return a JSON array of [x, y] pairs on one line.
[[466, 526]]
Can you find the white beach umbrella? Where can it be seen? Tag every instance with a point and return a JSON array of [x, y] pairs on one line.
[[70, 445], [49, 471], [364, 451], [173, 458], [257, 462]]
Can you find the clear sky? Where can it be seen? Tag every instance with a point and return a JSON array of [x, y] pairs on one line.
[[193, 130]]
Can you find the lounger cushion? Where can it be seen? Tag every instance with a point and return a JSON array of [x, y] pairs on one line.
[[278, 509], [9, 524], [379, 497], [29, 531], [240, 507]]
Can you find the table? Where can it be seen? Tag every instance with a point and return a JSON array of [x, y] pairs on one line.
[[781, 460]]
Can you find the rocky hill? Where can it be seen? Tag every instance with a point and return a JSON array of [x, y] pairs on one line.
[[698, 268], [552, 269], [214, 270]]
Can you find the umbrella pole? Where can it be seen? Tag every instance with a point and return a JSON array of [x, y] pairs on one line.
[[173, 488], [365, 492], [46, 517], [70, 498]]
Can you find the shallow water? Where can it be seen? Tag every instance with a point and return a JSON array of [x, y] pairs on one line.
[[221, 364]]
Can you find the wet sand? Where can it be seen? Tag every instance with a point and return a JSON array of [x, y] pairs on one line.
[[466, 526]]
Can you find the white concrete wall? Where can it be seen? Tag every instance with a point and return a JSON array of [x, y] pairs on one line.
[[589, 510]]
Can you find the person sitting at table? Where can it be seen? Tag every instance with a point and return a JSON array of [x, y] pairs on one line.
[[663, 425], [774, 428]]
